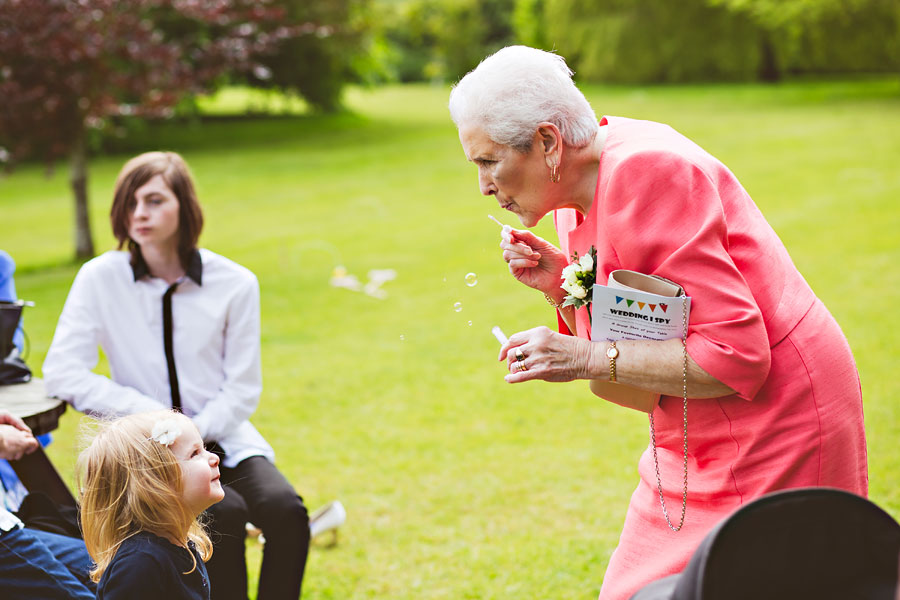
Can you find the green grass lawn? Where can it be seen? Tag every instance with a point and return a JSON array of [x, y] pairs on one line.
[[456, 484]]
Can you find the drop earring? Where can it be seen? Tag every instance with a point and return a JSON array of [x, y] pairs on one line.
[[554, 173]]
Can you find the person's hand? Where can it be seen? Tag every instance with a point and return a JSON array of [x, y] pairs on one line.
[[7, 418], [16, 443], [545, 355], [532, 260]]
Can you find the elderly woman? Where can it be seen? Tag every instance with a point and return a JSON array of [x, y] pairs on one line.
[[773, 397]]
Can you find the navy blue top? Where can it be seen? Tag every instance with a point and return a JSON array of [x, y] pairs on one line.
[[149, 567]]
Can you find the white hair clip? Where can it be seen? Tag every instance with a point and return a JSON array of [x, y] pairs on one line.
[[166, 432]]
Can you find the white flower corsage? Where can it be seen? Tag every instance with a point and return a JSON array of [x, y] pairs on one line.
[[166, 432], [578, 279]]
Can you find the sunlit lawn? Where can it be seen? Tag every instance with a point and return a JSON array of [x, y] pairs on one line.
[[458, 485]]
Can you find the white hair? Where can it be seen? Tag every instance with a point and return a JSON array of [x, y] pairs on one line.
[[516, 88]]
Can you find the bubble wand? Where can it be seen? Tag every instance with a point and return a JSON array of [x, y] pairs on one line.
[[498, 333], [506, 228]]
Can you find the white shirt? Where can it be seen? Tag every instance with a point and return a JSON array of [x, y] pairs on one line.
[[215, 346], [9, 521]]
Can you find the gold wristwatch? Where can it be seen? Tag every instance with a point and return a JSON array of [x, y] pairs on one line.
[[613, 353]]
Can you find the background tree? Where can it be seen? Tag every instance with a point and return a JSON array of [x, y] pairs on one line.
[[652, 41], [317, 61], [646, 41], [657, 41], [441, 40], [528, 22], [824, 36], [68, 67]]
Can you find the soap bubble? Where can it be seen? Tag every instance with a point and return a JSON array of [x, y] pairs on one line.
[[471, 279], [470, 323], [457, 307], [402, 337]]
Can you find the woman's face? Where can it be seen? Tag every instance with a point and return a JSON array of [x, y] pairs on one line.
[[199, 469], [518, 181], [153, 215]]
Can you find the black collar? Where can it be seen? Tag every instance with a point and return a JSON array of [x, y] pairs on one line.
[[194, 271]]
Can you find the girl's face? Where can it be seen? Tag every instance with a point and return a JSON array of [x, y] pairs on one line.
[[199, 469], [153, 215]]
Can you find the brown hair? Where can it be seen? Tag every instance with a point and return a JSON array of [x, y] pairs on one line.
[[138, 171], [131, 483]]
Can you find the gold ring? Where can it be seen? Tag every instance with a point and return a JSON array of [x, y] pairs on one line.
[[520, 366], [520, 356]]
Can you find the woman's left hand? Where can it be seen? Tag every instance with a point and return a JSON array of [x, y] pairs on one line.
[[541, 353]]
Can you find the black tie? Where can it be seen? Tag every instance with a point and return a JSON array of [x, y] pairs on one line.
[[167, 343]]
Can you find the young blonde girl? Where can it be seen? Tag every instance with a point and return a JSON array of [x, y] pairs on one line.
[[144, 480]]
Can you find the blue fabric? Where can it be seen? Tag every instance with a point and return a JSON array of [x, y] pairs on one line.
[[37, 564], [13, 492], [8, 292]]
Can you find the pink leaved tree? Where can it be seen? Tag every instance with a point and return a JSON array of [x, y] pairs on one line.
[[69, 66]]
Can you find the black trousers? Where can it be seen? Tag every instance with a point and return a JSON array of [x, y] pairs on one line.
[[256, 492]]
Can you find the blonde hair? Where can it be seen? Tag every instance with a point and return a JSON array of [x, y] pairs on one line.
[[130, 483]]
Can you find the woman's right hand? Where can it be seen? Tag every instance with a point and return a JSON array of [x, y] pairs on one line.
[[532, 260]]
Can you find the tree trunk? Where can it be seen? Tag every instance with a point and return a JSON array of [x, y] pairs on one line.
[[768, 68], [84, 243]]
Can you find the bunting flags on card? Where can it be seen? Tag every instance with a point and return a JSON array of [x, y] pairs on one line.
[[641, 305]]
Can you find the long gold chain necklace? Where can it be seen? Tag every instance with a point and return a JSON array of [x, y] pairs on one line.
[[684, 368]]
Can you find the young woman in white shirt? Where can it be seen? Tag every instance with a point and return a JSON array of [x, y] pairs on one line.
[[180, 329]]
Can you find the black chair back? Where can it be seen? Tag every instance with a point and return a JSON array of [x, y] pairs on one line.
[[816, 543], [10, 313]]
